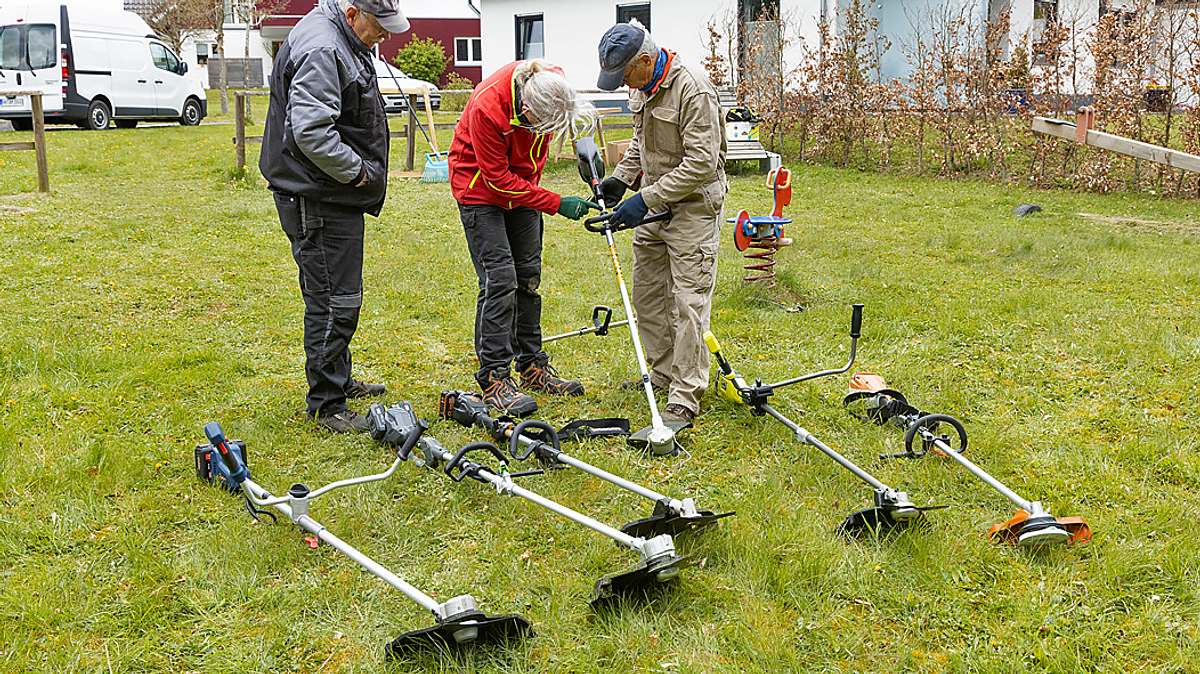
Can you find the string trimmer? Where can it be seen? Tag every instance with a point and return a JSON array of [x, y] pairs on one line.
[[658, 438], [537, 438], [398, 426], [870, 399], [457, 622], [892, 508]]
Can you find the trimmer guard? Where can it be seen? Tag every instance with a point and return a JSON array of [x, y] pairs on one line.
[[1022, 529], [636, 581], [664, 521], [881, 519], [464, 631], [640, 440]]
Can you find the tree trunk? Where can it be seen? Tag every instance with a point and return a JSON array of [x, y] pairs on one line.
[[224, 70], [246, 64]]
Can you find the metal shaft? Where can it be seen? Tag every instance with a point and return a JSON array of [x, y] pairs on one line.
[[804, 436], [581, 331], [595, 525], [979, 473], [655, 419], [609, 477], [309, 524]]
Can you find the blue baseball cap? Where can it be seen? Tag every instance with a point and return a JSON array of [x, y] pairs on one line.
[[617, 48]]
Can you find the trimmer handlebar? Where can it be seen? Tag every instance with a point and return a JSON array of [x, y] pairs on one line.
[[597, 223], [856, 322]]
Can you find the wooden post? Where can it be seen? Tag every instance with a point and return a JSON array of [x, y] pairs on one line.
[[432, 125], [411, 129], [39, 141], [239, 125]]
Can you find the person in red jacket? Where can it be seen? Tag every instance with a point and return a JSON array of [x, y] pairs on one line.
[[496, 160]]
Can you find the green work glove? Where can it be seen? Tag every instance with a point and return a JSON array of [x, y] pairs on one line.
[[575, 207]]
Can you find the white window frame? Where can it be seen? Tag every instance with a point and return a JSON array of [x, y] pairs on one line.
[[471, 42]]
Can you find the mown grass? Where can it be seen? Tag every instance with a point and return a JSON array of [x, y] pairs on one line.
[[150, 294]]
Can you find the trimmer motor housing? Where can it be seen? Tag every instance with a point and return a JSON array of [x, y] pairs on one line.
[[211, 469]]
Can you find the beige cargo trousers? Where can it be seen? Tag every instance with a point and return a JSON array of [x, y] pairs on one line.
[[679, 150]]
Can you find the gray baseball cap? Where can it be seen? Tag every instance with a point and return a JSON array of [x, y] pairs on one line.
[[617, 48], [387, 12]]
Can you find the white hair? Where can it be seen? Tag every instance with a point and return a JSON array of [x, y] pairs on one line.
[[648, 46], [344, 5], [552, 102]]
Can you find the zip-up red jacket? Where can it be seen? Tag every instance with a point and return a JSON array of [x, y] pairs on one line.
[[493, 161]]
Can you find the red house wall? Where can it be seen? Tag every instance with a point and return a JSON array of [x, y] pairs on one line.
[[444, 31]]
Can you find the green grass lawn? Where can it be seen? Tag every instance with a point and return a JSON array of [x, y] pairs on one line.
[[150, 293]]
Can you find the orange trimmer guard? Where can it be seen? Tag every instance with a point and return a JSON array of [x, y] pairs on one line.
[[1011, 530]]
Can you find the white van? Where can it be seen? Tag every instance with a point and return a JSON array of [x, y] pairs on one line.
[[94, 65]]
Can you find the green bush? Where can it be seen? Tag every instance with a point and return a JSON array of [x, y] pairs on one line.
[[423, 58], [456, 102]]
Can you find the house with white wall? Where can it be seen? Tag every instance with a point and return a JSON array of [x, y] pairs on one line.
[[567, 32]]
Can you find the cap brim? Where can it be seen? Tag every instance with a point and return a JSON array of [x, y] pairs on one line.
[[394, 24], [611, 80]]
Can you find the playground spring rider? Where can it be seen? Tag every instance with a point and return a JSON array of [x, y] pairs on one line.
[[870, 399], [658, 439], [399, 426], [457, 622], [762, 235], [892, 508], [537, 438]]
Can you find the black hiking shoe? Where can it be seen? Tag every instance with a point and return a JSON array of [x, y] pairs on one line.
[[358, 389], [543, 377], [501, 393], [345, 421]]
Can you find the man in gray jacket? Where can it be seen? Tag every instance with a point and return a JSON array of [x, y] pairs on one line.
[[325, 156]]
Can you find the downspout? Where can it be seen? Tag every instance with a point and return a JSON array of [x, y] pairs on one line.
[[471, 4]]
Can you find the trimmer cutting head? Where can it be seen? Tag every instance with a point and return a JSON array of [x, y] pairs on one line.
[[892, 511], [658, 441], [1040, 530], [664, 520], [462, 631], [639, 580]]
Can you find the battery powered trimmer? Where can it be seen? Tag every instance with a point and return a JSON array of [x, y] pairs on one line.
[[398, 426], [538, 439], [870, 399], [457, 622], [658, 439], [892, 508]]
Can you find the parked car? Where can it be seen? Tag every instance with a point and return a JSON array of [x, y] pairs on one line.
[[393, 82], [93, 66]]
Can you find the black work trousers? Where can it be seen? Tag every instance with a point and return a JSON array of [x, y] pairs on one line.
[[506, 248], [327, 244]]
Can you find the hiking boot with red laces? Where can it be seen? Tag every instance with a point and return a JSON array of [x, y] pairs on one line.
[[501, 393], [543, 377]]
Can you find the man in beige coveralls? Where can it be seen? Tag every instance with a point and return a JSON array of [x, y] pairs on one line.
[[678, 149]]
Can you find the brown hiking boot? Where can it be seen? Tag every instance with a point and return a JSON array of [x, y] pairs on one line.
[[543, 377], [501, 393], [676, 414]]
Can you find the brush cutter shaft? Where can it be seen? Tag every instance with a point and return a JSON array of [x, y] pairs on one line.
[[979, 473], [610, 478], [506, 486], [643, 367], [261, 496], [804, 436]]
